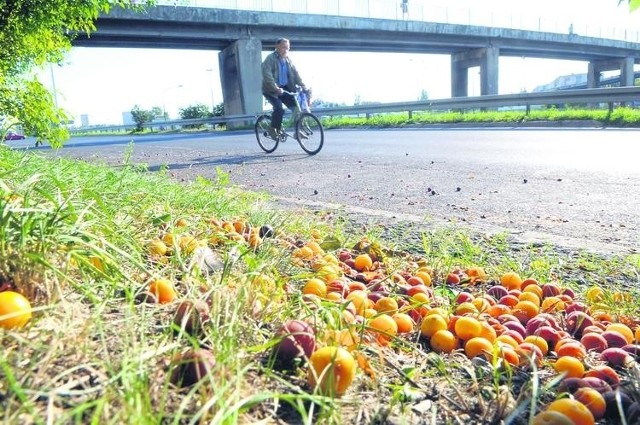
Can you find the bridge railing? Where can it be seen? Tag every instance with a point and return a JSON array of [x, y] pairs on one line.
[[392, 9], [598, 96]]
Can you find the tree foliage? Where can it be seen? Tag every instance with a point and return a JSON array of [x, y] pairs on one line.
[[633, 4], [143, 116], [34, 33], [199, 110]]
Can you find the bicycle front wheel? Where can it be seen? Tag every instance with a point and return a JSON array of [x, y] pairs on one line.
[[265, 139], [310, 133]]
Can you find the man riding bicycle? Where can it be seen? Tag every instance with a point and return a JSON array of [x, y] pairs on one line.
[[280, 78]]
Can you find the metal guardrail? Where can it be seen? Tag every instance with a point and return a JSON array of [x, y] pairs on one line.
[[597, 96]]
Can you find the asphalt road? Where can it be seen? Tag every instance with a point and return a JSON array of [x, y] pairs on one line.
[[579, 188]]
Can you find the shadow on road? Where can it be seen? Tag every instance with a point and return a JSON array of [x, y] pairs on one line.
[[213, 161]]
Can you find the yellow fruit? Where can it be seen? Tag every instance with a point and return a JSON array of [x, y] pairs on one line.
[[363, 262], [331, 370], [574, 410], [443, 342], [157, 247], [15, 310], [163, 290], [315, 286]]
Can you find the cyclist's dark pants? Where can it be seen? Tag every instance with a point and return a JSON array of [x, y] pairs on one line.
[[278, 110]]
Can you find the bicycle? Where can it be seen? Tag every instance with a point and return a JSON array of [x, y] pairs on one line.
[[308, 132]]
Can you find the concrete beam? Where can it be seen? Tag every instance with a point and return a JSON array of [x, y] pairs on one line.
[[625, 65], [241, 77], [487, 58]]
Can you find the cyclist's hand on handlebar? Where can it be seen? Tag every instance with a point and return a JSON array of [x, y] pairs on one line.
[[280, 91]]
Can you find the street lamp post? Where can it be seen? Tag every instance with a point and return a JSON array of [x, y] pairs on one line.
[[164, 109], [213, 103]]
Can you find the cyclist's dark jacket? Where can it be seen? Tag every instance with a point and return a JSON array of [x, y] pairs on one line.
[[270, 72]]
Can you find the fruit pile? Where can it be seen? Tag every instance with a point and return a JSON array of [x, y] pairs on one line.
[[351, 302], [512, 323]]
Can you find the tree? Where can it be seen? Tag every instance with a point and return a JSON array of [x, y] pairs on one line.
[[633, 4], [194, 111], [142, 116], [33, 34]]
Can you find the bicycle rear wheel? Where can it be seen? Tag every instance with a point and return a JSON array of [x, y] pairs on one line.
[[262, 127], [310, 133]]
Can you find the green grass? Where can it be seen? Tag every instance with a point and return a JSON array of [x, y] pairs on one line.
[[623, 116], [74, 237]]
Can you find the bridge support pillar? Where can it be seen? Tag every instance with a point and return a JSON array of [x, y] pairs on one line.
[[596, 68], [487, 59], [241, 78]]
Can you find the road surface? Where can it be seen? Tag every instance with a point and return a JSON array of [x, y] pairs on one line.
[[574, 187]]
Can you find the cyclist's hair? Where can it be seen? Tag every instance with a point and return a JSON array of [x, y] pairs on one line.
[[281, 40]]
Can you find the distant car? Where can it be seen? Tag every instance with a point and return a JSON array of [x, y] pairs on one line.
[[12, 135]]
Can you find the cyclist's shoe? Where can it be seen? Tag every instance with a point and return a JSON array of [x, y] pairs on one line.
[[273, 133]]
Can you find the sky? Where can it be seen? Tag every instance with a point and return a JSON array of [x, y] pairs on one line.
[[104, 82]]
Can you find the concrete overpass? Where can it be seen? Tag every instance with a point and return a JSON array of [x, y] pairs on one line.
[[242, 35]]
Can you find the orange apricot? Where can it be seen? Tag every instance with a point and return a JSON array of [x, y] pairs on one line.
[[481, 304], [356, 285], [594, 294], [509, 300], [478, 346], [476, 273], [163, 290], [467, 327], [574, 410], [15, 310], [443, 341], [359, 299], [315, 247], [315, 286], [593, 400], [384, 326], [530, 296], [498, 310], [529, 354], [511, 280], [507, 340], [536, 289], [466, 308], [420, 298], [548, 417], [508, 354], [530, 281], [622, 329], [386, 305], [303, 253], [552, 304], [363, 262], [488, 332], [404, 322], [425, 276], [525, 310], [331, 371], [431, 324], [541, 343], [439, 310], [573, 349], [415, 281], [569, 366]]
